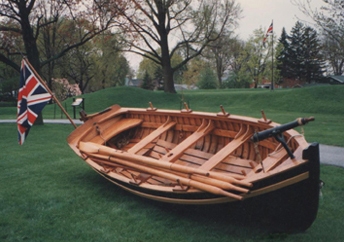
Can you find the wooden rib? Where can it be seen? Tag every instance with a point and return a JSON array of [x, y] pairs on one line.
[[275, 160], [227, 150], [189, 151], [198, 153], [165, 144], [116, 128], [176, 152], [271, 161], [152, 136], [224, 133], [170, 135], [195, 158], [237, 161], [147, 149], [230, 169], [140, 178]]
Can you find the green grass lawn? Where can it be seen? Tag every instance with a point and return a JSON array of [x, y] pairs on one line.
[[47, 193], [325, 103]]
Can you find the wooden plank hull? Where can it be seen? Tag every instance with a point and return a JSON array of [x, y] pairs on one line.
[[197, 158]]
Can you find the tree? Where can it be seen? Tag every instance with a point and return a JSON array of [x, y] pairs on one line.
[[282, 55], [334, 54], [147, 82], [30, 18], [330, 20], [193, 70], [63, 89], [108, 67], [7, 81], [155, 71], [236, 47], [147, 66], [175, 26], [301, 55], [295, 50], [255, 60], [222, 54], [207, 79], [232, 81], [77, 65], [312, 58], [26, 18]]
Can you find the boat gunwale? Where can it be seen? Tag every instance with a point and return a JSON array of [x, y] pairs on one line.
[[119, 111], [254, 122]]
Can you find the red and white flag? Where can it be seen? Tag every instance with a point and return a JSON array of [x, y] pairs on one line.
[[268, 32], [32, 98]]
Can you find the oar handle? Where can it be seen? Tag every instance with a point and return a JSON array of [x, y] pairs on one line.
[[185, 181]]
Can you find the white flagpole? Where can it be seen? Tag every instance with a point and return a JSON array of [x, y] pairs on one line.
[[272, 57]]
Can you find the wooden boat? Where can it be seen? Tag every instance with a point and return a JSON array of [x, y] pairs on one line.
[[188, 157]]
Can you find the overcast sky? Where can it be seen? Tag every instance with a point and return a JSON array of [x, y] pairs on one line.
[[259, 14]]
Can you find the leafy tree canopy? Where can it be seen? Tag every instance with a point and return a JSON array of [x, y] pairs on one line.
[[185, 27]]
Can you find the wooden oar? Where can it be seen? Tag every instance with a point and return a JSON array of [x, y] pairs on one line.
[[89, 147], [218, 183], [202, 179], [182, 180]]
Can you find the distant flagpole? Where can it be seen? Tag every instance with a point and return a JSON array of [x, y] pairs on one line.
[[270, 31], [48, 89], [272, 57]]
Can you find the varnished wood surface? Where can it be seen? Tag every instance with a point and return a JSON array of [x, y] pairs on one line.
[[205, 142]]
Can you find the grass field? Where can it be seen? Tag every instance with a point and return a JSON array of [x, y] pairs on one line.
[[325, 103], [48, 194]]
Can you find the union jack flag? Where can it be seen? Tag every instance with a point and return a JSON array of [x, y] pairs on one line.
[[268, 32], [32, 98]]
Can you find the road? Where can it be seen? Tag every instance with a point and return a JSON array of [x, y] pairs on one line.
[[332, 155]]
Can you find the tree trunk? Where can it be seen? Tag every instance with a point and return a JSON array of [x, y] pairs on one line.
[[219, 68], [168, 79], [30, 44], [167, 70]]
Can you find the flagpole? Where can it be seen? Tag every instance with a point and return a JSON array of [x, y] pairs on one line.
[[272, 60], [51, 93]]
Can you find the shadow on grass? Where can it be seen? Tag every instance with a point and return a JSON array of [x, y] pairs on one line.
[[235, 220]]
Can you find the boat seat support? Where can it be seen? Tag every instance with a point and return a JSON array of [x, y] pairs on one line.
[[243, 135], [176, 152], [118, 127], [152, 136], [141, 178]]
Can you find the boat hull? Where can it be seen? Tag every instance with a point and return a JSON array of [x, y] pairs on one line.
[[190, 158], [272, 204], [292, 208]]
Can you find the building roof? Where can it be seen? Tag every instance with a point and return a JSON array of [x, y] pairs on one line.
[[134, 82], [339, 79]]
